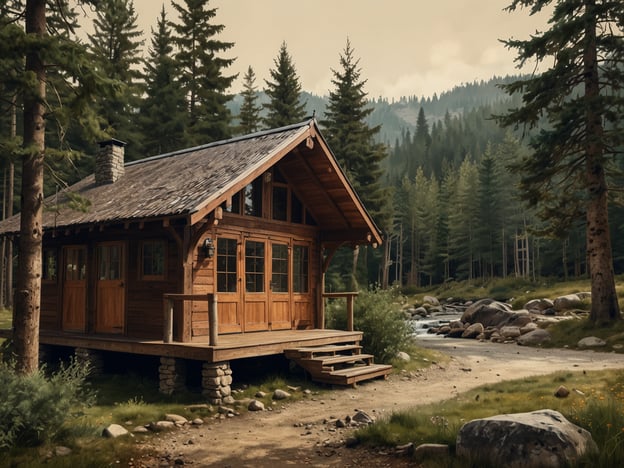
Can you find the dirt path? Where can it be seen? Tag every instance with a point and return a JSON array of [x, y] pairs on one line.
[[304, 434]]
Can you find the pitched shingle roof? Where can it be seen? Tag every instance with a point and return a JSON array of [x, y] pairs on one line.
[[181, 183]]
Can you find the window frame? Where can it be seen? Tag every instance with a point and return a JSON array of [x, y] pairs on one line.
[[152, 277]]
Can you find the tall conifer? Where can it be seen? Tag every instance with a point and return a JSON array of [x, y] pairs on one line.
[[284, 92], [163, 111], [249, 116], [581, 95], [203, 69]]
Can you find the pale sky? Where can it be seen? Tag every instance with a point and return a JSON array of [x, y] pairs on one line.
[[405, 47]]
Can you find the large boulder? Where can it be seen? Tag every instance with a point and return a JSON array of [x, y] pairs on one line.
[[534, 338], [569, 301], [538, 305], [543, 438], [473, 331], [488, 312], [591, 342]]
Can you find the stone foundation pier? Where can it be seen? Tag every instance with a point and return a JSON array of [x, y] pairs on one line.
[[172, 375], [92, 357], [216, 381]]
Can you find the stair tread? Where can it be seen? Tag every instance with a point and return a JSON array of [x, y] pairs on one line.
[[337, 359], [326, 349], [353, 371]]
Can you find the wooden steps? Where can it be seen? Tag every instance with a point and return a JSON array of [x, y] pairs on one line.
[[342, 364]]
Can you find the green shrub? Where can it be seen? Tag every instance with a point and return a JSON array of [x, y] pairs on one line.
[[376, 313], [34, 408]]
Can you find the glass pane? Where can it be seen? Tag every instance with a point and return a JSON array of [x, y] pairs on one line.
[[253, 198], [296, 209], [254, 266], [153, 258], [279, 268], [280, 203], [300, 269], [226, 265]]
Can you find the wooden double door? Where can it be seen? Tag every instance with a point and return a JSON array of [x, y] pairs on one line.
[[254, 278], [107, 281]]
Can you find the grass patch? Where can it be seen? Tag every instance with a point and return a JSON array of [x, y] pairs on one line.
[[596, 403], [567, 333]]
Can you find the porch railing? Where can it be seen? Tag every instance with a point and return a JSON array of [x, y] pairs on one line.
[[213, 318], [350, 296]]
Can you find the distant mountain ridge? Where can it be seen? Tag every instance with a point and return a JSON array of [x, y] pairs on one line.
[[396, 116]]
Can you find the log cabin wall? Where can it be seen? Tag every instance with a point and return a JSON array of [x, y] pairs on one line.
[[142, 315]]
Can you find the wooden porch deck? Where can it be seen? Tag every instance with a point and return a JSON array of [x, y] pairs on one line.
[[230, 347]]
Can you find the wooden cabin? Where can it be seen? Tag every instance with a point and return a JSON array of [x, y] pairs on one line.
[[212, 253]]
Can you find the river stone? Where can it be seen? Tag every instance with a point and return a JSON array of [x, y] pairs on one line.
[[473, 331], [541, 438], [176, 418], [510, 332], [538, 305], [570, 301], [591, 342], [280, 394], [362, 418], [255, 405], [529, 327], [403, 356], [430, 451], [114, 430], [534, 338], [489, 313], [431, 300]]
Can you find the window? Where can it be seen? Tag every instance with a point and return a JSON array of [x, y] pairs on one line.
[[296, 210], [109, 262], [280, 203], [49, 265], [254, 266], [75, 264], [234, 206], [300, 269], [279, 268], [153, 260], [227, 265], [253, 198]]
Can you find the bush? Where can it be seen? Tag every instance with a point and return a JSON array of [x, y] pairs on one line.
[[33, 408], [377, 314]]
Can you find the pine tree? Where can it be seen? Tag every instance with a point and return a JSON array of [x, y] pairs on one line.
[[202, 70], [284, 92], [581, 97], [352, 140], [40, 53], [249, 116], [163, 111], [116, 47]]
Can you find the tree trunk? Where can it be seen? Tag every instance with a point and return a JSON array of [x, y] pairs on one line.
[[28, 291], [604, 307]]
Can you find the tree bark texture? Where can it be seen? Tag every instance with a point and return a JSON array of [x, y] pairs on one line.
[[604, 306], [28, 287]]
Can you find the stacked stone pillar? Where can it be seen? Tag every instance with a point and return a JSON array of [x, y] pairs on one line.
[[216, 381], [93, 358], [172, 374]]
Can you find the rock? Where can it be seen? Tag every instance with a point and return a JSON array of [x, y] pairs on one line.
[[431, 300], [489, 313], [403, 356], [362, 418], [534, 338], [456, 332], [510, 332], [226, 410], [280, 394], [541, 438], [562, 392], [570, 301], [538, 305], [521, 319], [430, 451], [140, 430], [591, 342], [406, 450], [340, 424], [260, 394], [160, 425], [255, 405], [529, 327], [114, 430], [352, 442], [229, 400], [473, 330], [420, 311], [176, 418], [62, 451]]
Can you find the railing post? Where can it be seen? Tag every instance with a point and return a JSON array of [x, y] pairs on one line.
[[213, 320], [168, 320], [350, 312]]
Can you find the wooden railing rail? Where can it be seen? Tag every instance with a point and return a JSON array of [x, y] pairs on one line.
[[350, 296], [213, 318]]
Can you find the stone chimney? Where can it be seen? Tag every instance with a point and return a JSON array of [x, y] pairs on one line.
[[109, 162]]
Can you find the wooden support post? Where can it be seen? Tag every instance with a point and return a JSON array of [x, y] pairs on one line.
[[168, 320], [213, 320], [350, 312]]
